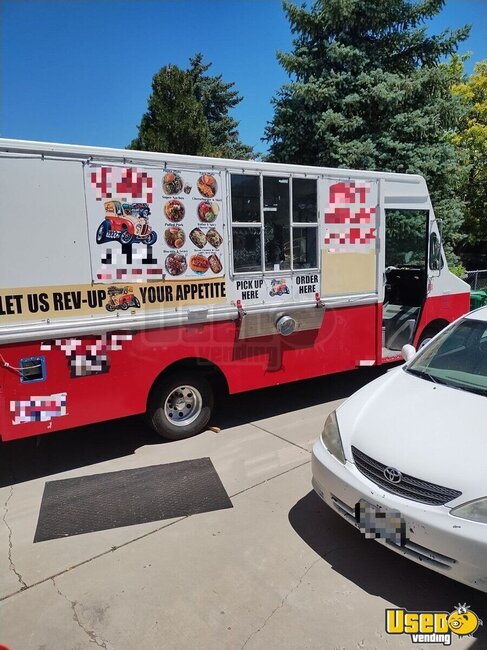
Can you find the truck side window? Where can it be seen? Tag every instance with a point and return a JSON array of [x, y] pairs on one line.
[[406, 238], [247, 254], [274, 223], [245, 198], [305, 208], [305, 223]]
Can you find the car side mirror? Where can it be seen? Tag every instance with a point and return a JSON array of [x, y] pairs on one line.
[[408, 351]]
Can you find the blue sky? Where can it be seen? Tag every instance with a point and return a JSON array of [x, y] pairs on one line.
[[80, 71]]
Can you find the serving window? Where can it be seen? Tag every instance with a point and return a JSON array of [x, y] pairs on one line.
[[274, 223]]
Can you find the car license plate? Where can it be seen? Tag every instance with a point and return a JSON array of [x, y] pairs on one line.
[[379, 523]]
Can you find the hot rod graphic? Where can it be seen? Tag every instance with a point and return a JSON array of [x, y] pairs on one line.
[[127, 223], [278, 288], [140, 209], [121, 298]]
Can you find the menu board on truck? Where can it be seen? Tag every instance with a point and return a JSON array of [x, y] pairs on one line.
[[149, 225]]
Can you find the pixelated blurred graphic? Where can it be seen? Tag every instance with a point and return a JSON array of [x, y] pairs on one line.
[[353, 236], [133, 183], [89, 356], [380, 524], [135, 263], [101, 181], [136, 184], [351, 203], [39, 408]]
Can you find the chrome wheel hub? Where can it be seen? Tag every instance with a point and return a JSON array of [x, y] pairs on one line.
[[183, 405]]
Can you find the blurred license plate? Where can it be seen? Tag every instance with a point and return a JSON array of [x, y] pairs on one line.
[[378, 523]]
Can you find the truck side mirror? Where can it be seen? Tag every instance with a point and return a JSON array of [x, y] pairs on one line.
[[435, 252]]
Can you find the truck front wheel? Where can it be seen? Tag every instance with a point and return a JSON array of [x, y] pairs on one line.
[[180, 405]]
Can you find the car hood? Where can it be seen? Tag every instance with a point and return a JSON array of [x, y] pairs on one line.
[[430, 431]]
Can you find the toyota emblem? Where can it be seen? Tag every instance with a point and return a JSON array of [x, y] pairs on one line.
[[393, 475]]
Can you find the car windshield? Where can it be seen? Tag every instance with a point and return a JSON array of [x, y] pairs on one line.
[[458, 358]]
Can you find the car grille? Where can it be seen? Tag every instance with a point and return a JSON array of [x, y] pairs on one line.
[[409, 487], [144, 230]]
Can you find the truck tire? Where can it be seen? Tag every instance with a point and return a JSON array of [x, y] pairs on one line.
[[180, 405], [429, 331]]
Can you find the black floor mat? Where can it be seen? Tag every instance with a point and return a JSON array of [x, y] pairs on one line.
[[133, 496]]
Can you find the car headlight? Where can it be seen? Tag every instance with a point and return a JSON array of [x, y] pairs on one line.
[[474, 510], [331, 437]]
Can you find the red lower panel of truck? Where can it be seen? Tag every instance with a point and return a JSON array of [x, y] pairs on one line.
[[445, 308], [103, 377], [436, 313]]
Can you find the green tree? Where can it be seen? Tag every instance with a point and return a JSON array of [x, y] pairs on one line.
[[188, 113], [470, 138], [367, 91], [217, 98], [174, 121]]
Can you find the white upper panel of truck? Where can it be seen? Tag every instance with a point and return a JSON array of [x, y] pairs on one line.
[[101, 234]]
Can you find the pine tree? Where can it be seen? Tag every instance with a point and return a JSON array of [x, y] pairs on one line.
[[174, 121], [217, 98], [188, 113], [367, 91]]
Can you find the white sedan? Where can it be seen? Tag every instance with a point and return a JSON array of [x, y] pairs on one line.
[[405, 458]]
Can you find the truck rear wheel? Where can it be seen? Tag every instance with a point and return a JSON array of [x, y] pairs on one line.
[[180, 405]]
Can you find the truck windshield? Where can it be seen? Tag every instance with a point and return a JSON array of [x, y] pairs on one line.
[[458, 358]]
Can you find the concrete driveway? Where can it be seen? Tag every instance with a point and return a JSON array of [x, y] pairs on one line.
[[277, 570]]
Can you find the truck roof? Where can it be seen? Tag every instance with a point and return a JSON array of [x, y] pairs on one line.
[[127, 156]]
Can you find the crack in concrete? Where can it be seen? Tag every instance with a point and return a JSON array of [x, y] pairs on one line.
[[272, 433], [94, 557], [94, 638], [139, 537], [271, 478], [282, 603], [10, 543]]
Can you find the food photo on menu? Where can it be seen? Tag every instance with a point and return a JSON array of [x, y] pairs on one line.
[[174, 237], [192, 236], [208, 212]]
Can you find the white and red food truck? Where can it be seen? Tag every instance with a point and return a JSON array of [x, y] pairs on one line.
[[233, 275]]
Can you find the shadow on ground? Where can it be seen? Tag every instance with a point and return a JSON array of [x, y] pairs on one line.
[[378, 570], [36, 457]]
